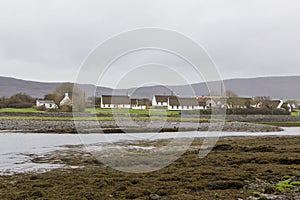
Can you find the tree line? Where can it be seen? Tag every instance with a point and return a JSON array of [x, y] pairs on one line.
[[22, 100], [19, 100], [76, 95]]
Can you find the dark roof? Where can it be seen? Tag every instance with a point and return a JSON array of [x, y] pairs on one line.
[[116, 99], [239, 101], [162, 98], [141, 102], [134, 101], [202, 103], [217, 99], [180, 101], [270, 103]]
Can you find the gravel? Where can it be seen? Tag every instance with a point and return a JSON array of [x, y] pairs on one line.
[[68, 126]]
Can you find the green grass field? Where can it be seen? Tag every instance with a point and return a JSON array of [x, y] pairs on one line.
[[99, 111], [130, 111], [295, 113], [22, 110]]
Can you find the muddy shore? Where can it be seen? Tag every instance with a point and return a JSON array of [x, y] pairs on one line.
[[237, 168]]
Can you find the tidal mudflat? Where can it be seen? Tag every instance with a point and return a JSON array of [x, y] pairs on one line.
[[259, 167]]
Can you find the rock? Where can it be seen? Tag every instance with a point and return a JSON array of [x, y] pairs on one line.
[[154, 197], [88, 126]]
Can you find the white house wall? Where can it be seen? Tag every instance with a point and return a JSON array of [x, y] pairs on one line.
[[126, 106], [47, 105], [139, 107], [161, 104], [280, 104], [155, 103], [185, 107]]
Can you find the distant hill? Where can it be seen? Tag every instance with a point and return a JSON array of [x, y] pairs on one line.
[[276, 87], [287, 87], [11, 86]]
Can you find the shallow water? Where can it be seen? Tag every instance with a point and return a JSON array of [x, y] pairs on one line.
[[16, 148]]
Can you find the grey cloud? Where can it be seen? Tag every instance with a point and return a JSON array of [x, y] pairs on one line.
[[245, 38]]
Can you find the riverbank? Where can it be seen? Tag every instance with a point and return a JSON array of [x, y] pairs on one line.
[[45, 125], [237, 167]]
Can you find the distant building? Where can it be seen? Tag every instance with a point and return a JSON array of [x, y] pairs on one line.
[[272, 104], [140, 103], [240, 102], [117, 101], [291, 105], [161, 100], [49, 104], [66, 101], [180, 103], [207, 102]]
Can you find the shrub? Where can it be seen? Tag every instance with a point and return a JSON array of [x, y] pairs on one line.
[[66, 108], [257, 111], [41, 108], [20, 105], [17, 101], [2, 105]]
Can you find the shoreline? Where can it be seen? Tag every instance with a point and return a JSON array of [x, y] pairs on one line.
[[236, 168], [23, 125]]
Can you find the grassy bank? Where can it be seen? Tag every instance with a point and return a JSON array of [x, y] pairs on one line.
[[20, 110], [144, 115], [236, 168], [104, 118], [130, 111]]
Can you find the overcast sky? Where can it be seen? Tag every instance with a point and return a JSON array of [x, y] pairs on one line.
[[47, 40]]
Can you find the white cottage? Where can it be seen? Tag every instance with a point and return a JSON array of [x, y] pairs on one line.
[[207, 102], [180, 103], [66, 101], [49, 104], [116, 101], [140, 103], [160, 100]]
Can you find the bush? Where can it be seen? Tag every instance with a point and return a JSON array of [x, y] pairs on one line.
[[20, 105], [41, 108], [66, 108], [256, 111], [239, 111], [17, 101], [204, 112]]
